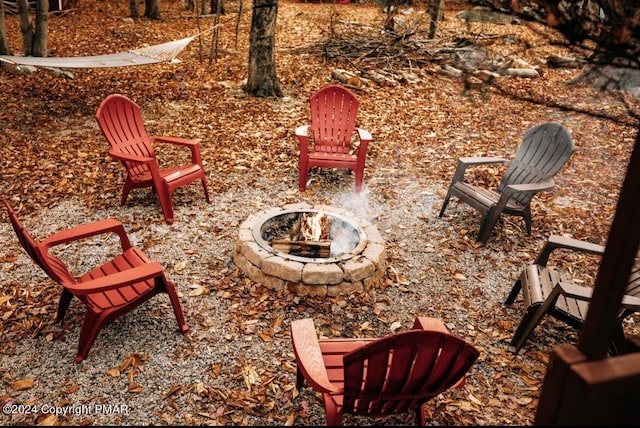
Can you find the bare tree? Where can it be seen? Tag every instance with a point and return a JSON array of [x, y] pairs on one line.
[[435, 12], [133, 8], [263, 80], [4, 47], [41, 32], [34, 38], [152, 9], [217, 6]]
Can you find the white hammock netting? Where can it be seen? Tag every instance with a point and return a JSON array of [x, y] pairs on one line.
[[148, 55]]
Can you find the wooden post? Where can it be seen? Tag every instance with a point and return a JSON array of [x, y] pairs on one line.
[[582, 386]]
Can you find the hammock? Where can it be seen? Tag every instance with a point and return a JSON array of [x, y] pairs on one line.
[[148, 55]]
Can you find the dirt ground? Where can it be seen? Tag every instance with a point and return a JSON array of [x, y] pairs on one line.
[[236, 366]]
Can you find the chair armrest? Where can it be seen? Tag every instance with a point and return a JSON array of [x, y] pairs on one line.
[[630, 302], [428, 323], [514, 189], [175, 140], [117, 280], [364, 135], [193, 145], [302, 131], [364, 138], [129, 157], [532, 187], [481, 160], [309, 356], [575, 291], [584, 293], [87, 230], [466, 162], [555, 242]]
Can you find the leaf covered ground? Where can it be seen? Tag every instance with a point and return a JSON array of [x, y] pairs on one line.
[[236, 366]]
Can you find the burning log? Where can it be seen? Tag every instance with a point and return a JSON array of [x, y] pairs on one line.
[[303, 248]]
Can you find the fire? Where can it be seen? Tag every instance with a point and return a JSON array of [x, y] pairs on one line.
[[314, 227]]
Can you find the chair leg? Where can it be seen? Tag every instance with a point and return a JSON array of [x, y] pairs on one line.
[[299, 378], [125, 191], [170, 289], [619, 345], [445, 203], [515, 290], [359, 179], [421, 419], [527, 324], [527, 221], [333, 414], [532, 318], [206, 190], [166, 203], [63, 304], [91, 326], [302, 178], [488, 222]]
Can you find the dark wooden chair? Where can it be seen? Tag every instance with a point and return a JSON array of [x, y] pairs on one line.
[[121, 123], [108, 291], [546, 292], [329, 141], [545, 149], [381, 376]]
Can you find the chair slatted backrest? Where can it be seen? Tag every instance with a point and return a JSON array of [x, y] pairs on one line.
[[402, 371], [122, 125], [51, 265], [545, 149], [333, 116]]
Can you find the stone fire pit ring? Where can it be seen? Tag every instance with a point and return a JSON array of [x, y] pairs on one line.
[[359, 270]]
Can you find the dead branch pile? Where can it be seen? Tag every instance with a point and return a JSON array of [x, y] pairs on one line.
[[404, 54]]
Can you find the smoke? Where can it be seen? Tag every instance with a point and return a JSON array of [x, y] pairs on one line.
[[358, 204], [344, 238]]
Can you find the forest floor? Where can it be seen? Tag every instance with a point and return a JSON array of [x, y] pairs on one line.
[[236, 365]]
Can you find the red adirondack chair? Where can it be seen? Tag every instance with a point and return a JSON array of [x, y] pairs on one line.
[[121, 124], [378, 377], [109, 290], [329, 141]]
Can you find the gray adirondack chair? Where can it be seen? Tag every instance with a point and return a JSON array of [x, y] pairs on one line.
[[546, 292], [545, 149]]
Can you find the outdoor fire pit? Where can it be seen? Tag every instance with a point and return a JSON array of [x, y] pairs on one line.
[[306, 250]]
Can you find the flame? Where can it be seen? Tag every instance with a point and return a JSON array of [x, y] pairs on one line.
[[315, 226]]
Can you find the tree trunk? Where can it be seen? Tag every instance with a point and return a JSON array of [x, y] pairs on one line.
[[262, 80], [42, 28], [152, 9], [213, 54], [26, 27], [4, 47], [215, 4], [435, 12], [133, 8]]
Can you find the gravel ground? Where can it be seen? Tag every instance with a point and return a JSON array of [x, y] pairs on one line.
[[221, 310]]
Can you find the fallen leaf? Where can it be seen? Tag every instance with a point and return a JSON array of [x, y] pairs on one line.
[[22, 384]]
